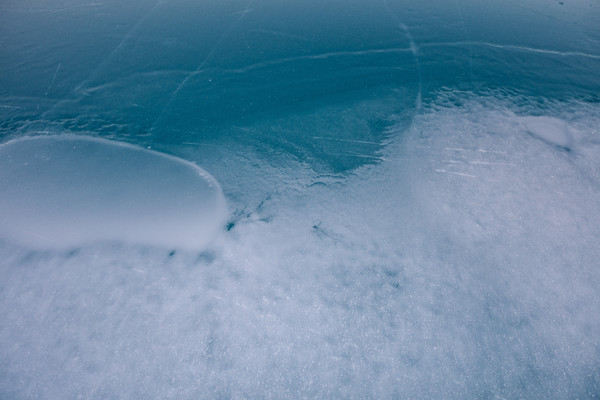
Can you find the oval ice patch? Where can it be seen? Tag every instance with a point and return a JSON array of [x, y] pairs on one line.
[[65, 191]]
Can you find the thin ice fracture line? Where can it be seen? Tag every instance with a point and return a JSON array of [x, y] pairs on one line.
[[268, 63], [478, 150], [53, 78], [200, 66], [101, 66], [197, 144], [477, 163], [491, 163], [415, 51], [466, 33], [454, 173], [379, 158], [517, 48], [250, 67], [345, 140], [122, 43], [319, 57]]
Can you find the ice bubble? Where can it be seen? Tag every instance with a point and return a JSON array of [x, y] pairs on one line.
[[66, 191], [551, 130]]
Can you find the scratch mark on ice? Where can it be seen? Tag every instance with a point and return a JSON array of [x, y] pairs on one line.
[[454, 173], [345, 140], [53, 78], [478, 150]]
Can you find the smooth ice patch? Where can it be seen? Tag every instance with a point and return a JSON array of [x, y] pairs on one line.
[[66, 191]]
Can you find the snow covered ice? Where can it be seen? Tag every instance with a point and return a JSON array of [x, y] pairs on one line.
[[402, 199]]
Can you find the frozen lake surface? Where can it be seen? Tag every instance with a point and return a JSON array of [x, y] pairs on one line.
[[403, 199]]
